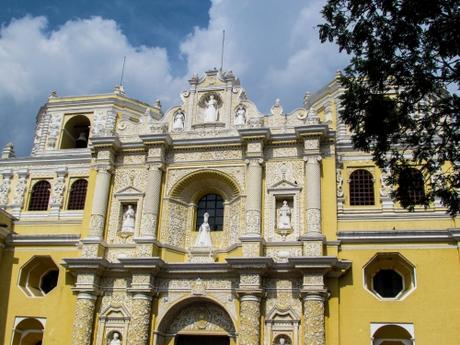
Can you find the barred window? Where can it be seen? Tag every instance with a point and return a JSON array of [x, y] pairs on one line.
[[77, 195], [40, 196], [361, 188], [214, 205], [412, 188]]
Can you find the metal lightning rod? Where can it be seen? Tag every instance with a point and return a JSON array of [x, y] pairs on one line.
[[222, 53], [122, 71]]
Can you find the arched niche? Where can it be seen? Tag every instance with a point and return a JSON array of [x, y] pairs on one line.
[[115, 318], [180, 209], [75, 132], [195, 317], [28, 331], [392, 334], [282, 323]]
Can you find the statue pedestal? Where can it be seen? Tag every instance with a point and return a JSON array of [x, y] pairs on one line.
[[284, 232], [202, 255]]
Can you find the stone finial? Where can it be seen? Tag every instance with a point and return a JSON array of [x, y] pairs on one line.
[[119, 90], [158, 104], [53, 94], [8, 151], [306, 100]]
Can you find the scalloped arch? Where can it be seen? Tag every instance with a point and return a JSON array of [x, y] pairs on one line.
[[194, 185]]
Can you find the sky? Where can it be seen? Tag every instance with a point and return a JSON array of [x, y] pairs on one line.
[[77, 47]]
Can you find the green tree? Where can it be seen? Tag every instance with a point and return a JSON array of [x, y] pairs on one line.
[[401, 89]]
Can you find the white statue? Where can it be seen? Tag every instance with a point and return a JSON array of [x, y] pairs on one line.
[[240, 117], [179, 119], [284, 219], [115, 339], [281, 341], [204, 234], [211, 113], [129, 219]]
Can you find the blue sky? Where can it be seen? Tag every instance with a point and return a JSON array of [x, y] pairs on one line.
[[76, 47]]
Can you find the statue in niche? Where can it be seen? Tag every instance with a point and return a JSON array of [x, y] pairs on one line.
[[115, 339], [284, 216], [211, 112], [179, 120], [240, 117], [129, 218], [204, 234]]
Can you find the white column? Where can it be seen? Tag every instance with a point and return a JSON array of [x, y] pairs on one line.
[[100, 199], [151, 202], [254, 196], [313, 194]]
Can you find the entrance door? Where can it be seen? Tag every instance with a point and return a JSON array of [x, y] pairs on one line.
[[202, 340]]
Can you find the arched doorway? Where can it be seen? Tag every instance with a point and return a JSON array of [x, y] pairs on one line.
[[196, 321]]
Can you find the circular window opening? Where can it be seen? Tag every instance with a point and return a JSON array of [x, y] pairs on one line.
[[49, 281], [388, 283]]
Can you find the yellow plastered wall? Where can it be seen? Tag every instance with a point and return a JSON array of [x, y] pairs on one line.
[[57, 306], [433, 307]]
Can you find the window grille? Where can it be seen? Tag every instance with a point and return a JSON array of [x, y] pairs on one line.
[[361, 188], [214, 205], [40, 196], [412, 180], [77, 195]]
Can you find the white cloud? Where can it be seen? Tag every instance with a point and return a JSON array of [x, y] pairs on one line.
[[272, 46]]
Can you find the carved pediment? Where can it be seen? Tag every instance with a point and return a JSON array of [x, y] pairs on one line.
[[129, 192], [115, 312], [282, 314], [284, 185]]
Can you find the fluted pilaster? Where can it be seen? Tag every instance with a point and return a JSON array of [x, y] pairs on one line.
[[254, 196], [313, 194]]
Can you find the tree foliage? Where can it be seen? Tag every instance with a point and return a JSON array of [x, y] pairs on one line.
[[401, 89]]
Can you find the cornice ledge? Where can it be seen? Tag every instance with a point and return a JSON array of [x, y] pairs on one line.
[[44, 240], [392, 236], [313, 130], [80, 264], [156, 139], [216, 141], [152, 263], [250, 263], [263, 133], [105, 142], [192, 267]]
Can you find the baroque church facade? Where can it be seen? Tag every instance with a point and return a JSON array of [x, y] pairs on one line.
[[213, 223]]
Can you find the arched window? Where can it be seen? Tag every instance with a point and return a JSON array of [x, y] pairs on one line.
[[75, 133], [214, 205], [40, 196], [361, 188], [77, 195], [411, 187]]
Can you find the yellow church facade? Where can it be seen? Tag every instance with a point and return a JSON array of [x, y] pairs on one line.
[[213, 223]]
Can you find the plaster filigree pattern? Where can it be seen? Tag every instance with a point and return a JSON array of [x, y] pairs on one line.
[[96, 224], [283, 294], [4, 190], [339, 180], [292, 171], [283, 152], [249, 322], [130, 159], [175, 234], [83, 322], [138, 333], [20, 191], [58, 191], [202, 317], [199, 156], [314, 322], [250, 279], [282, 254], [53, 129], [313, 220], [252, 221]]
